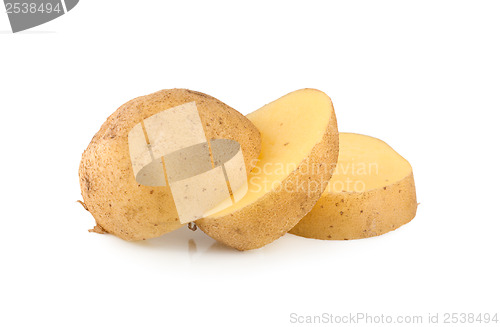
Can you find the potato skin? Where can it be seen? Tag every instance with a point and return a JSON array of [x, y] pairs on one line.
[[273, 215], [351, 215], [110, 192]]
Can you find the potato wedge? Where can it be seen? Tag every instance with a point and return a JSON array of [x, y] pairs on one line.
[[299, 152], [118, 203], [371, 193]]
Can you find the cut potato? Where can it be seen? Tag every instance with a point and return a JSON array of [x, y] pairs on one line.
[[133, 211], [299, 152], [371, 193]]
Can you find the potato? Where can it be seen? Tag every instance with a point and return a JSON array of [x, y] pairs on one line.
[[118, 203], [371, 193], [299, 152]]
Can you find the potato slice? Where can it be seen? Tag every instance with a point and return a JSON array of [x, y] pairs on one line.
[[371, 193], [119, 204], [299, 152]]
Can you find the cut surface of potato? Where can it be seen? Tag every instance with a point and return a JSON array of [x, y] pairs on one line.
[[298, 156], [119, 203], [371, 193]]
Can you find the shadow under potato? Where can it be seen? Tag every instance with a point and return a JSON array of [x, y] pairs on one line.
[[184, 239]]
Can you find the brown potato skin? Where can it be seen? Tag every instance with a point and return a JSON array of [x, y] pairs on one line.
[[273, 215], [110, 192], [351, 215]]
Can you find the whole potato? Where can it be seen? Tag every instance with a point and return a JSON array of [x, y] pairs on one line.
[[119, 204]]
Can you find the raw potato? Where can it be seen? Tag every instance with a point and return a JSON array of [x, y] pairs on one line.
[[118, 203], [371, 193], [299, 152]]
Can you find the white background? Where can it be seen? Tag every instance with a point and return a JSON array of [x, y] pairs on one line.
[[422, 75]]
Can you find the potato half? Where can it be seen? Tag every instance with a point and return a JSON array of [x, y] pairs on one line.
[[371, 193], [118, 203], [299, 152]]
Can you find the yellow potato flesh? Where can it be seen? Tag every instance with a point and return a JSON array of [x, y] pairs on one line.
[[371, 192], [289, 129], [366, 163]]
